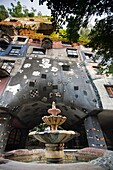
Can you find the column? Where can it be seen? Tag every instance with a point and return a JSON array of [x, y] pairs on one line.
[[94, 133]]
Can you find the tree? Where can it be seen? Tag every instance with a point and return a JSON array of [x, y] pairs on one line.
[[19, 11], [72, 29], [82, 10], [39, 13], [3, 13], [63, 33], [84, 31], [16, 11], [84, 35], [32, 13], [101, 39], [25, 11], [33, 10]]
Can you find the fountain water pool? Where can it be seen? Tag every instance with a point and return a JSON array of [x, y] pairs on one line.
[[37, 156]]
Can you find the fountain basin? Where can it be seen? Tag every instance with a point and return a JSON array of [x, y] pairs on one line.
[[54, 136], [37, 156]]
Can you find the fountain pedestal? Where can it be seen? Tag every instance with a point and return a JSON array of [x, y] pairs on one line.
[[54, 152]]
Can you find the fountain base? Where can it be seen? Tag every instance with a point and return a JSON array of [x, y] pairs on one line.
[[54, 153]]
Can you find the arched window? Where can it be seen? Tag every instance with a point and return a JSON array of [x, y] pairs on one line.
[[14, 140]]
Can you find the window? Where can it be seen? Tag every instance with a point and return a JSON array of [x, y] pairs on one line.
[[14, 50], [3, 47], [72, 53], [36, 40], [76, 87], [14, 140], [44, 88], [96, 67], [109, 89], [31, 19], [21, 39], [55, 87], [89, 55], [65, 67], [13, 20], [85, 92], [38, 51], [43, 76], [31, 83], [66, 44], [8, 65]]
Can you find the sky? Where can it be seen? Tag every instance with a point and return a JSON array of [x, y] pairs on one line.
[[28, 4]]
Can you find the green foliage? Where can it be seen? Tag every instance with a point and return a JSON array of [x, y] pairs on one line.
[[101, 39], [105, 69], [72, 30], [83, 40], [16, 11], [63, 35], [3, 13], [41, 127], [33, 10], [54, 36], [31, 14], [39, 13], [83, 33], [19, 11], [25, 11], [81, 9]]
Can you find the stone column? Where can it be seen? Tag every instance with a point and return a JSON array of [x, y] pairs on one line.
[[94, 133], [5, 128]]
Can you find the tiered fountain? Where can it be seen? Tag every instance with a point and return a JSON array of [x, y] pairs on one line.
[[54, 139]]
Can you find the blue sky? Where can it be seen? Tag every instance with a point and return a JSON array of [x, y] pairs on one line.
[[28, 4]]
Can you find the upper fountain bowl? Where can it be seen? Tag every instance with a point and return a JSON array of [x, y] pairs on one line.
[[54, 121], [54, 136]]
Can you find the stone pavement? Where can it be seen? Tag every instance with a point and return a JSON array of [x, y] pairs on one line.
[[106, 161], [13, 165]]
